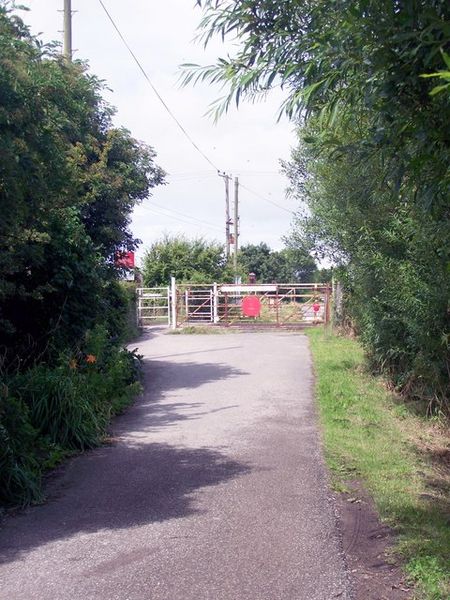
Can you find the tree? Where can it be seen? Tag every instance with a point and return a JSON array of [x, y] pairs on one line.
[[372, 164], [68, 184], [392, 264], [113, 176], [188, 260], [286, 266], [344, 61]]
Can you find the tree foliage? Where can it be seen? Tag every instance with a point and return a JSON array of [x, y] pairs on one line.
[[289, 265], [68, 183], [372, 166], [188, 260]]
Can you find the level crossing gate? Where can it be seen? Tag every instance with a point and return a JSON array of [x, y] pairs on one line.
[[153, 306], [288, 305]]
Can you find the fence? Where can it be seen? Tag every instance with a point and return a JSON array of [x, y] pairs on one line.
[[281, 304]]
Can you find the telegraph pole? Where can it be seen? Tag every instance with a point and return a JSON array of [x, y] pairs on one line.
[[227, 215], [68, 30], [236, 222], [228, 222]]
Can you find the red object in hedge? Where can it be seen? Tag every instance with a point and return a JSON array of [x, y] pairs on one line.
[[251, 306], [124, 260]]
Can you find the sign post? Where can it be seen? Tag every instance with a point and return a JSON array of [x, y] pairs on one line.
[[173, 306], [215, 304]]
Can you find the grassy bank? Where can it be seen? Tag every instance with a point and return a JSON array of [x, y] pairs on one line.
[[371, 435]]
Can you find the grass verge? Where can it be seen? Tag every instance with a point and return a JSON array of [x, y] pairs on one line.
[[198, 329], [402, 459]]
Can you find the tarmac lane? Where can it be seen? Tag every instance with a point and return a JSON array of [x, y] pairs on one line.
[[214, 487]]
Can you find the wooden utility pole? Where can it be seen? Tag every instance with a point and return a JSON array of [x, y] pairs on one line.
[[68, 30], [228, 221], [227, 215], [236, 222]]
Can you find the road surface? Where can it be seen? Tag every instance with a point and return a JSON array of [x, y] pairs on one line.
[[213, 489]]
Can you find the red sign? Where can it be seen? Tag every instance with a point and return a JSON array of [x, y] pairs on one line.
[[251, 306], [316, 307], [124, 260]]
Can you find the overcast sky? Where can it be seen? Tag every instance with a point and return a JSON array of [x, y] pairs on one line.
[[248, 142]]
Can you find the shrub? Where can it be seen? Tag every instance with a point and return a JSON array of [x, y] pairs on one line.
[[19, 468], [48, 412]]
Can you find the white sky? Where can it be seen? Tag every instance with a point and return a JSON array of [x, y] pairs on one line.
[[247, 142]]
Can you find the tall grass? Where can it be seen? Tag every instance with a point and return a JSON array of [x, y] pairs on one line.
[[371, 435], [50, 411]]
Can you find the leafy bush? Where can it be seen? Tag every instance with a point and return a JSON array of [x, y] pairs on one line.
[[193, 260], [69, 182], [47, 412], [372, 167], [19, 468]]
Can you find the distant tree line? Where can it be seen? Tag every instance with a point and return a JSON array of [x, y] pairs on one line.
[[197, 260]]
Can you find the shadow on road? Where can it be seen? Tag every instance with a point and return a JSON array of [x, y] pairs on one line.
[[162, 376], [155, 411], [133, 482], [193, 353], [116, 488]]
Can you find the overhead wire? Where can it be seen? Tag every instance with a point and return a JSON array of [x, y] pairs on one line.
[[192, 173], [158, 95], [197, 223], [266, 199], [185, 215], [183, 130], [169, 216], [189, 178]]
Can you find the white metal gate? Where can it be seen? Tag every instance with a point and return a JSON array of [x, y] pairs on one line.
[[153, 306]]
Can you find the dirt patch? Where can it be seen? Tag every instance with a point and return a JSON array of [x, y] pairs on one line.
[[366, 541]]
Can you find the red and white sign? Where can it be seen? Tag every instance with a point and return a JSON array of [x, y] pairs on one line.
[[251, 306], [124, 260]]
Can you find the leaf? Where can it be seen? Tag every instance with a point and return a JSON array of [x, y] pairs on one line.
[[428, 75], [439, 88], [446, 58]]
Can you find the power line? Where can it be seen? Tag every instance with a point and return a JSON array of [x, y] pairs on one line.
[[185, 215], [189, 179], [183, 130], [253, 172], [267, 199], [162, 214], [159, 212], [158, 95], [190, 173]]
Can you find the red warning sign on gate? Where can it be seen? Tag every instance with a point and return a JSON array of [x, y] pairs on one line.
[[251, 306]]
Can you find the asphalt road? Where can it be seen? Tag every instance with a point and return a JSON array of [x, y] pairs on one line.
[[214, 489]]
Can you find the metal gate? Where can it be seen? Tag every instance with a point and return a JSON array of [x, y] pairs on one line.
[[153, 306], [281, 305], [196, 304]]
